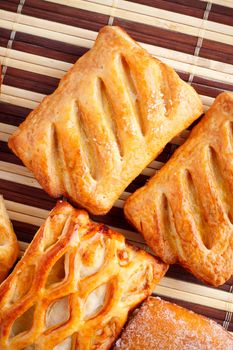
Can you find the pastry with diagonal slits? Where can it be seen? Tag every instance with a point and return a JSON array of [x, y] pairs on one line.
[[160, 325], [74, 286], [111, 115], [185, 211], [9, 248]]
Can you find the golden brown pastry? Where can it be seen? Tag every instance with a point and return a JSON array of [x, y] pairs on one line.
[[160, 325], [185, 211], [9, 248], [111, 115], [74, 286]]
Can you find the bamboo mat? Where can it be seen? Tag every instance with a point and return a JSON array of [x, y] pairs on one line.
[[39, 41]]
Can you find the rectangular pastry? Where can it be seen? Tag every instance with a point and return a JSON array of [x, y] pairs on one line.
[[74, 286], [160, 325], [185, 211], [111, 115]]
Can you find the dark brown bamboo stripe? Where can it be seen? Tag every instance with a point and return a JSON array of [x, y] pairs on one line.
[[47, 48], [212, 83], [216, 51], [31, 81], [9, 5], [158, 36], [5, 34], [207, 90], [191, 8], [24, 232], [221, 14], [219, 18], [7, 156], [16, 114], [214, 314], [177, 272], [36, 197], [65, 14]]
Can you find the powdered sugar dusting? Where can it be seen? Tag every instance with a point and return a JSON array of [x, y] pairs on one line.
[[160, 325]]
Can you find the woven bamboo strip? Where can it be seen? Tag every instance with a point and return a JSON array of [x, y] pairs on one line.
[[18, 101], [19, 174], [22, 63], [174, 17], [174, 58], [27, 214], [226, 3], [28, 97], [168, 286], [192, 298], [159, 18], [188, 64]]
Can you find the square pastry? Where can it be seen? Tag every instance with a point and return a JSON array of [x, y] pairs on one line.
[[74, 286], [185, 211], [111, 115], [160, 325]]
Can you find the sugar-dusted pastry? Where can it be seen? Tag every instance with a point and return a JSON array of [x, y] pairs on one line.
[[160, 325], [111, 115], [9, 248], [185, 211], [74, 286]]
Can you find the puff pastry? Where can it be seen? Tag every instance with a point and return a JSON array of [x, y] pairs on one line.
[[74, 286], [9, 248], [111, 115], [187, 214], [161, 325]]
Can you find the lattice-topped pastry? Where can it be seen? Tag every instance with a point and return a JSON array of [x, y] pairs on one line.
[[160, 325], [74, 286], [187, 213], [111, 115], [9, 248]]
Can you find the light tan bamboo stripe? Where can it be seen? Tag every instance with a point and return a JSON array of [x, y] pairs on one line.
[[168, 286], [20, 175], [36, 216], [180, 61], [226, 3], [159, 18], [192, 298], [23, 171], [30, 99], [174, 57]]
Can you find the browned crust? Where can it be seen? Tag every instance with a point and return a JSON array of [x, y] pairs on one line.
[[129, 275], [112, 114]]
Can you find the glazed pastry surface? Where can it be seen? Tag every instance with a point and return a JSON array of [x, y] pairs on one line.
[[74, 286], [185, 211], [111, 115]]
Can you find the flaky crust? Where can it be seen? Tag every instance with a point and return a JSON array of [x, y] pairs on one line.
[[185, 211], [75, 285], [112, 114], [160, 325], [9, 248]]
